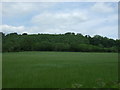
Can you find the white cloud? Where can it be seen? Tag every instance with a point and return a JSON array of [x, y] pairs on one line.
[[105, 26], [102, 8], [10, 29], [60, 20], [60, 17], [18, 9]]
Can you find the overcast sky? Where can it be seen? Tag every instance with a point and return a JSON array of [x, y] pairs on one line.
[[80, 17]]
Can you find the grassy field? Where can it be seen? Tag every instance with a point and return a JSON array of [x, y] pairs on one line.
[[59, 70]]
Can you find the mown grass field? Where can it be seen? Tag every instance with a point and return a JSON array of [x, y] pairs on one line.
[[59, 70]]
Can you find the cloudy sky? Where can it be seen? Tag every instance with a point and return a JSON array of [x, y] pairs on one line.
[[80, 17]]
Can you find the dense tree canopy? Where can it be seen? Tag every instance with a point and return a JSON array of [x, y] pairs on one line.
[[69, 41]]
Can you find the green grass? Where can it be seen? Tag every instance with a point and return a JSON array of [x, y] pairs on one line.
[[59, 69]]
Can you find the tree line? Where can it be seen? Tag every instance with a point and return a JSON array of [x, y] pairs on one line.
[[69, 41]]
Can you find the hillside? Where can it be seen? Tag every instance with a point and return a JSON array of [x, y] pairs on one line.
[[14, 42]]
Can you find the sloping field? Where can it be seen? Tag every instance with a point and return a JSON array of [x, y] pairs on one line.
[[59, 70]]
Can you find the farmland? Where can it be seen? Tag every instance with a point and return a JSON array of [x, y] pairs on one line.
[[59, 69]]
